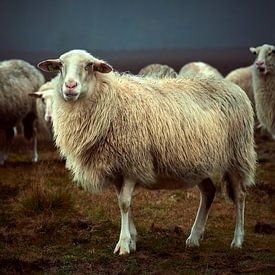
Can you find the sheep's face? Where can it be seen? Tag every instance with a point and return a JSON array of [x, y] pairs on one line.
[[265, 60], [47, 98], [77, 73]]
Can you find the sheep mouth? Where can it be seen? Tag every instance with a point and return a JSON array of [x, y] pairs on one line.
[[262, 70], [70, 96]]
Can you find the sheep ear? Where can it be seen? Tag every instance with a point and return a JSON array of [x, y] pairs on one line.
[[36, 95], [50, 65], [253, 50], [102, 67]]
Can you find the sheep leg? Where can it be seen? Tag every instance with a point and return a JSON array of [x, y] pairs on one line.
[[207, 194], [34, 146], [9, 134], [133, 232], [124, 201], [239, 191]]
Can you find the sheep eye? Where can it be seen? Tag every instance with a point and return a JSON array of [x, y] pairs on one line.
[[43, 100], [88, 66], [273, 51]]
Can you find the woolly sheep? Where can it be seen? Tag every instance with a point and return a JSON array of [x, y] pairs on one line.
[[243, 78], [17, 79], [199, 69], [166, 133], [45, 93], [263, 78], [158, 71]]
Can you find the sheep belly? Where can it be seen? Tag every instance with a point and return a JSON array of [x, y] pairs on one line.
[[170, 183]]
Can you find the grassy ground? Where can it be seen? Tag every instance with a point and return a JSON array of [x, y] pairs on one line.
[[50, 226]]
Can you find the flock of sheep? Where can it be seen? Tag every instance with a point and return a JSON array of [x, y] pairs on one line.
[[158, 129]]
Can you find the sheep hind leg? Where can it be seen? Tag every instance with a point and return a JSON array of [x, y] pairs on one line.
[[9, 134], [207, 195], [127, 238], [133, 233], [34, 146], [237, 192]]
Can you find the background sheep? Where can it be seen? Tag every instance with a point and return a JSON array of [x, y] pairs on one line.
[[17, 79], [243, 78], [199, 69], [158, 71], [45, 93], [263, 75], [165, 133]]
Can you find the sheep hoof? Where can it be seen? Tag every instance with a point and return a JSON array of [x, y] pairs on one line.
[[236, 245], [237, 241], [35, 159], [122, 247], [192, 242]]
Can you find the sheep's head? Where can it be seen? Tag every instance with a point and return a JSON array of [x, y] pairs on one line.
[[78, 71], [47, 98], [265, 60]]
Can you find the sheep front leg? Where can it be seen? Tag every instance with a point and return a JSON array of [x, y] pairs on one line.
[[207, 195], [127, 241]]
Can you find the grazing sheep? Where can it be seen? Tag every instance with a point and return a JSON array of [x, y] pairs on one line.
[[199, 69], [263, 76], [17, 79], [166, 133], [158, 71]]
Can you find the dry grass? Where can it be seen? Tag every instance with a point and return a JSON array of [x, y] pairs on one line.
[[41, 198], [44, 196], [48, 225]]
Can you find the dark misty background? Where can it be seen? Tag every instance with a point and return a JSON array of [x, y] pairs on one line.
[[130, 34]]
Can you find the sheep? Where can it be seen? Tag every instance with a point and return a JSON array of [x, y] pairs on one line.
[[17, 78], [263, 79], [129, 131], [158, 71], [243, 78], [199, 69], [45, 93]]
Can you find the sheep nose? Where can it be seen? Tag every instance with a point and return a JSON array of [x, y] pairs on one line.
[[260, 63], [71, 84]]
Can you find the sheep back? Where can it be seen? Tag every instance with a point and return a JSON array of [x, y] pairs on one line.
[[158, 71], [200, 69], [17, 79]]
